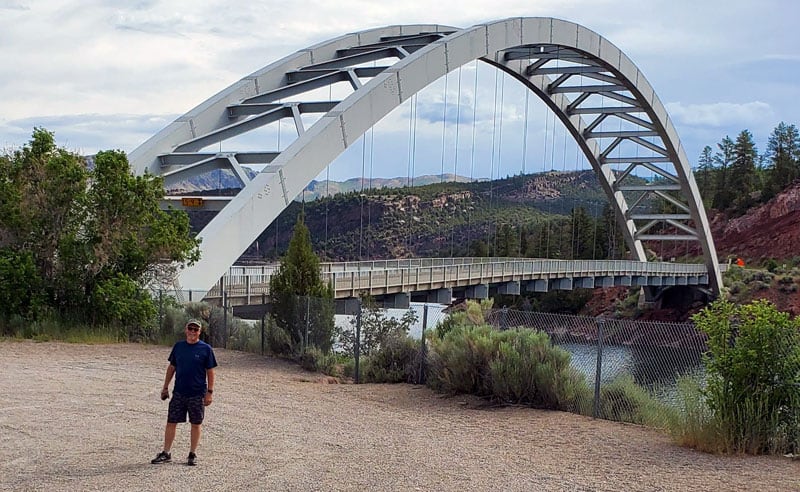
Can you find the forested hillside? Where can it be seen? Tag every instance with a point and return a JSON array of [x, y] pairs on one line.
[[554, 214]]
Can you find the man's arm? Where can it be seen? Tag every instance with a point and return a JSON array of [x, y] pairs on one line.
[[209, 396], [210, 377], [167, 379]]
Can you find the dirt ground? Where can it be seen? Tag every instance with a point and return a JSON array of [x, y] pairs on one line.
[[89, 417]]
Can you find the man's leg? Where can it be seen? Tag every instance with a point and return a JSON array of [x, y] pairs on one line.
[[195, 439], [169, 435]]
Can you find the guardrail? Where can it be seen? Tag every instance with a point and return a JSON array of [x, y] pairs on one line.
[[382, 277]]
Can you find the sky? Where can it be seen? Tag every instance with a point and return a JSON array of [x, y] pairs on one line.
[[105, 76]]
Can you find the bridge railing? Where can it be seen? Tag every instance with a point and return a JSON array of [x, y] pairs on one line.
[[380, 277]]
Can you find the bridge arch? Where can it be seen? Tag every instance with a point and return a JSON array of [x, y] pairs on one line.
[[545, 54]]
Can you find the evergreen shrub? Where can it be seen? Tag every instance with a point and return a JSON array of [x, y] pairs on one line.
[[518, 366], [396, 361]]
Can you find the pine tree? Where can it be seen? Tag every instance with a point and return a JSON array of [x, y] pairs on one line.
[[609, 237], [302, 305], [705, 174], [723, 195], [743, 173], [783, 159], [582, 227]]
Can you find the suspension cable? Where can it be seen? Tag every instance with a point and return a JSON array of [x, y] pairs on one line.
[[491, 160], [361, 197], [444, 127], [455, 165], [369, 202], [525, 129], [472, 149]]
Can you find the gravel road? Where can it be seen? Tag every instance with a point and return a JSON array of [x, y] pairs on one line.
[[88, 417]]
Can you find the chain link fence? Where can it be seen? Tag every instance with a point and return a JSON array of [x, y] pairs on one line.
[[628, 364], [633, 370]]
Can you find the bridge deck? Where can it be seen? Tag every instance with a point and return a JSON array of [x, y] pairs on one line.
[[247, 285]]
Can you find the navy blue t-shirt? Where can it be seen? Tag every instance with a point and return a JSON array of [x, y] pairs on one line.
[[191, 360]]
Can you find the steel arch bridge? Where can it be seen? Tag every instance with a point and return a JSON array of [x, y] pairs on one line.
[[617, 120]]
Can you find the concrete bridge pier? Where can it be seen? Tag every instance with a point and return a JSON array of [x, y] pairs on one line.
[[477, 292], [440, 296]]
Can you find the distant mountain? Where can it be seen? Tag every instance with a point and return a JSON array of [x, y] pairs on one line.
[[226, 180], [317, 189]]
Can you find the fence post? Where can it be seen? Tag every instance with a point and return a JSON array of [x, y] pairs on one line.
[[600, 323], [160, 311], [357, 348], [423, 348], [308, 316], [263, 320], [225, 320]]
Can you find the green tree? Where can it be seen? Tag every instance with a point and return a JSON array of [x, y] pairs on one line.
[[125, 236], [583, 234], [479, 248], [301, 303], [609, 237], [42, 200], [742, 180], [783, 159], [95, 237], [723, 194], [705, 174]]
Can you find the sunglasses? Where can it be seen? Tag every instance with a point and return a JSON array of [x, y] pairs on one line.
[[192, 328]]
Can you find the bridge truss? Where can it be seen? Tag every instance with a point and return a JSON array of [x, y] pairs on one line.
[[616, 119]]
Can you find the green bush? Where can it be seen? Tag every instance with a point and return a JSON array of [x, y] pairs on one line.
[[518, 366], [753, 377], [310, 359], [474, 315], [21, 293], [278, 340], [376, 329], [244, 336], [119, 301], [396, 361], [623, 400], [771, 265]]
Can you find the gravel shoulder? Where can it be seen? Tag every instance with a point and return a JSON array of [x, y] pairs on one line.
[[89, 417]]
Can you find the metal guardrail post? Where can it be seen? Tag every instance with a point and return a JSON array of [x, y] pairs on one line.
[[263, 320], [357, 348], [600, 323], [225, 319], [423, 348]]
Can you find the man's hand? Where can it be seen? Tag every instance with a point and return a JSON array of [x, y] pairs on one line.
[[207, 399], [164, 393]]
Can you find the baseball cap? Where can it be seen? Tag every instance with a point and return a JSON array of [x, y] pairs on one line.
[[195, 322]]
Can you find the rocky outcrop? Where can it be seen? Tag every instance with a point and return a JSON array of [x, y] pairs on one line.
[[771, 230]]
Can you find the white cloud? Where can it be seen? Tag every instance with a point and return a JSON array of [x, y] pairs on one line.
[[721, 114], [76, 68], [87, 133]]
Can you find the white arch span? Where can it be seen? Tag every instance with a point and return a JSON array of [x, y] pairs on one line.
[[547, 55]]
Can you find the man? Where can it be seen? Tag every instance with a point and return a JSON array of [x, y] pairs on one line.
[[192, 362]]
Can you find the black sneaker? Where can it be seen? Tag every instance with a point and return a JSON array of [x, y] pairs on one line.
[[162, 457], [192, 459]]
